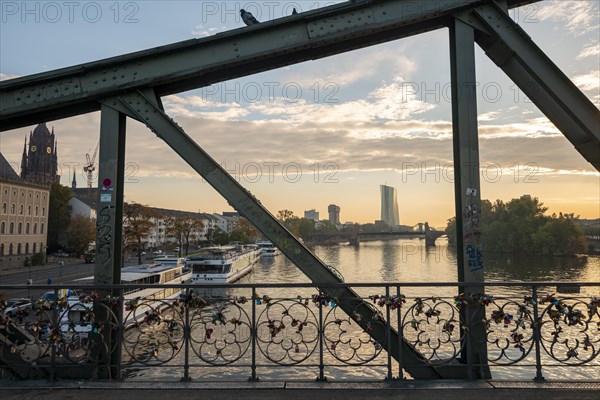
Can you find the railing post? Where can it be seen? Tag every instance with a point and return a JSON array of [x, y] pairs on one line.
[[187, 331], [55, 326], [120, 334], [254, 332], [388, 335], [536, 336], [321, 377], [467, 341], [400, 335]]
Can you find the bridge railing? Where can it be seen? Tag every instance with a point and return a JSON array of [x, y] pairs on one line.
[[296, 332]]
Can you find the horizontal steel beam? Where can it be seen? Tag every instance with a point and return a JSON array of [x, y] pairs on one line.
[[196, 63]]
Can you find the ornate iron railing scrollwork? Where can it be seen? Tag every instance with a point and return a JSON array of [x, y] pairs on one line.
[[570, 329], [297, 329]]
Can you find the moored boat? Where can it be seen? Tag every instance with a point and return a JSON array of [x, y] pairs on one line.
[[138, 301], [222, 264], [267, 248]]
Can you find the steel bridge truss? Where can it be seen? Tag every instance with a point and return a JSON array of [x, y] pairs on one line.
[[132, 86]]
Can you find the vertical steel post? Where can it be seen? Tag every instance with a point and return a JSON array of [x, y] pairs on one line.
[[467, 192], [253, 327], [400, 334], [388, 325], [109, 228], [321, 377], [55, 327], [187, 332], [536, 336]]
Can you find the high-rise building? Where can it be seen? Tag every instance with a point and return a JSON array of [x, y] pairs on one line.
[[389, 205], [311, 214], [39, 161], [334, 214]]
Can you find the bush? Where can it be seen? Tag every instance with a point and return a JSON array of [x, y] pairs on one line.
[[37, 259]]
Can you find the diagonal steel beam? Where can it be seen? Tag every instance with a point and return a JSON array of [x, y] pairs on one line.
[[196, 63], [146, 108], [509, 47]]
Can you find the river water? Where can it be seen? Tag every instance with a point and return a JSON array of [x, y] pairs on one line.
[[406, 260], [409, 260]]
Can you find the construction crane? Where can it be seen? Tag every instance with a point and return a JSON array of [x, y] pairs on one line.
[[90, 166]]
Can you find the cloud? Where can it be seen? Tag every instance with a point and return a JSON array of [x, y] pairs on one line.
[[589, 51], [200, 107], [5, 77], [358, 66], [589, 81], [578, 16], [385, 103], [202, 31]]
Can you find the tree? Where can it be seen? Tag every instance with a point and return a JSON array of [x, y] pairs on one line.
[[244, 232], [560, 236], [520, 226], [81, 232], [59, 215], [137, 223], [220, 237], [184, 230], [284, 215], [300, 227], [327, 227]]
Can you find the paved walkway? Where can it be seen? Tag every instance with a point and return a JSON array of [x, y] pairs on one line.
[[484, 390]]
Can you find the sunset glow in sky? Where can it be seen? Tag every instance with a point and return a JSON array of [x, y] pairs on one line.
[[319, 132]]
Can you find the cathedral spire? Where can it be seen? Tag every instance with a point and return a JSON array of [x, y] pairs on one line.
[[74, 183], [24, 159]]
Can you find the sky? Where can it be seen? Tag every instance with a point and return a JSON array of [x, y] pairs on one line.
[[321, 132]]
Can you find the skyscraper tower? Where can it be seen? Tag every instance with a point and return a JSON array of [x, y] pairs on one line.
[[334, 214], [389, 205], [39, 161]]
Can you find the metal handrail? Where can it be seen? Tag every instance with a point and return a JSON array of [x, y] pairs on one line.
[[309, 332]]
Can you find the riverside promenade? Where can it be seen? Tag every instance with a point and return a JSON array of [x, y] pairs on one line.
[[400, 390]]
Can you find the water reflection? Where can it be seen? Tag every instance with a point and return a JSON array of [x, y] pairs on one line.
[[389, 260], [409, 260]]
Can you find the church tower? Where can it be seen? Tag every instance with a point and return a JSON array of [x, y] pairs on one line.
[[39, 161], [74, 182]]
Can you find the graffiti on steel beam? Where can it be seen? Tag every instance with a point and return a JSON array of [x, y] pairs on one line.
[[104, 235]]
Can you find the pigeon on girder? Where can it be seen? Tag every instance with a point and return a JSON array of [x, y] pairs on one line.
[[248, 18], [294, 12]]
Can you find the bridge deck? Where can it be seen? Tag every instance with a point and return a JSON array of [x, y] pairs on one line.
[[491, 390]]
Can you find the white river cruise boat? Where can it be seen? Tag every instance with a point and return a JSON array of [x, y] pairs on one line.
[[268, 249], [165, 271], [222, 264]]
